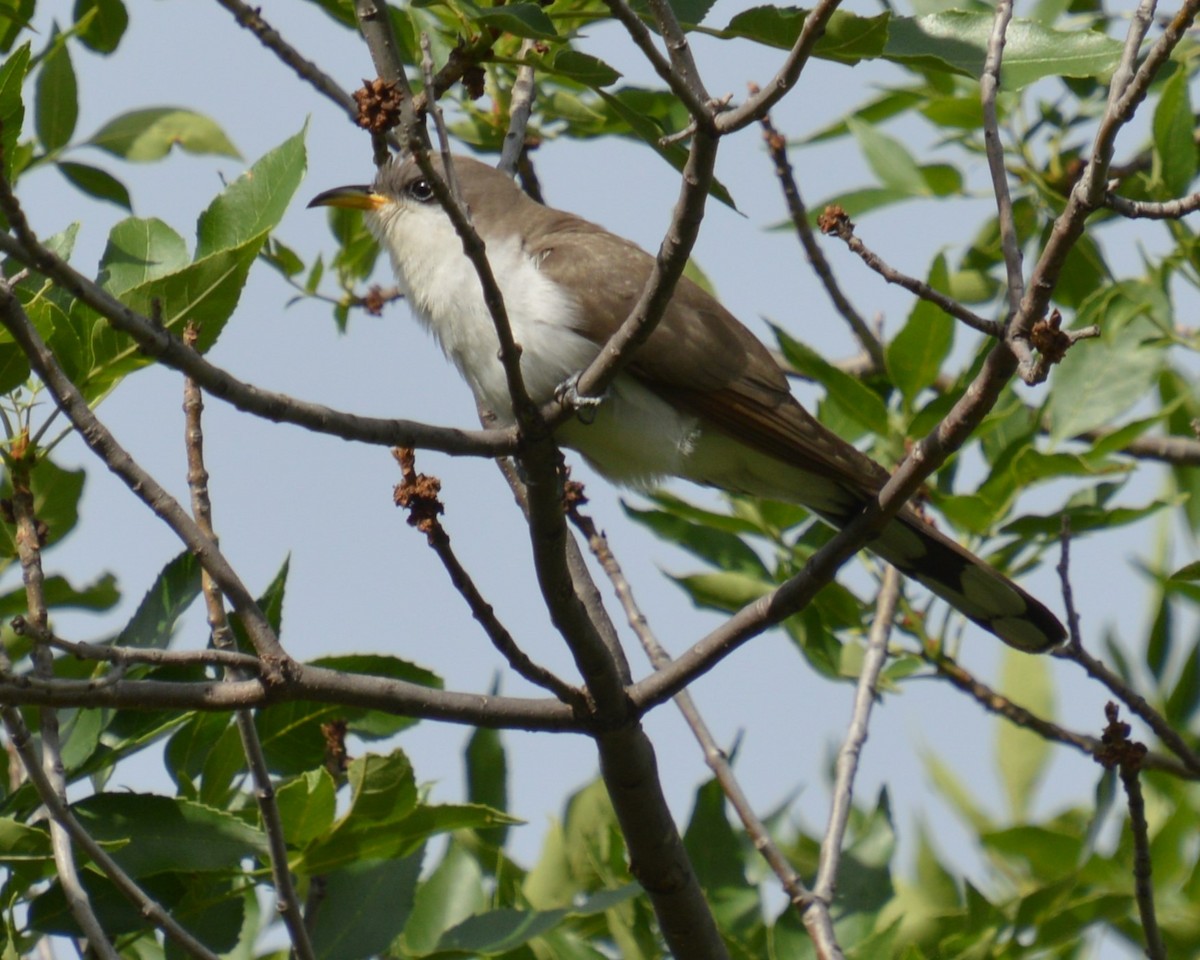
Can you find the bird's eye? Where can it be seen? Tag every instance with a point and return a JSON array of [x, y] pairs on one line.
[[420, 190]]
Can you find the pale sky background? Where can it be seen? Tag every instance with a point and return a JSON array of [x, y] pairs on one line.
[[361, 580]]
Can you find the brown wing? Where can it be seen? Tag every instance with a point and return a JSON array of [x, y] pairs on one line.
[[700, 357]]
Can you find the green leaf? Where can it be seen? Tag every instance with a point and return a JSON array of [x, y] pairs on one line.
[[1185, 697], [96, 183], [360, 839], [167, 835], [139, 251], [153, 624], [12, 108], [716, 854], [307, 806], [56, 104], [500, 931], [20, 842], [365, 906], [487, 777], [100, 594], [453, 892], [846, 38], [206, 291], [888, 159], [916, 354], [724, 550], [106, 23], [1021, 754], [1100, 379], [573, 65], [1174, 147], [15, 16], [190, 747], [1190, 571], [518, 19], [854, 398], [56, 494], [723, 591], [956, 41], [255, 202], [144, 135]]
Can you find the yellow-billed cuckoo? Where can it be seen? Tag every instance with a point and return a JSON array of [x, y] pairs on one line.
[[702, 399]]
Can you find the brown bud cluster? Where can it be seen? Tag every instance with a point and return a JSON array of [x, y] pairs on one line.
[[835, 220], [418, 494], [378, 105], [1051, 341], [1117, 749]]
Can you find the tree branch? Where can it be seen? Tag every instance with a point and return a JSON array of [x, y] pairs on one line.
[[287, 903], [28, 543], [777, 148]]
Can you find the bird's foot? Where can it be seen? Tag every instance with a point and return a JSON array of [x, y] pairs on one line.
[[585, 407]]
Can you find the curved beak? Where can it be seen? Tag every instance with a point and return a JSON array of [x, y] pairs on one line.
[[355, 197]]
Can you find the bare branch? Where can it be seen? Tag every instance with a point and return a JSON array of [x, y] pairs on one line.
[[668, 267], [28, 536], [836, 222], [252, 19], [418, 494], [688, 88], [287, 903], [1127, 756], [1002, 706], [846, 768], [520, 106], [1145, 209], [989, 86], [317, 684], [777, 147], [785, 79], [1075, 651], [125, 656]]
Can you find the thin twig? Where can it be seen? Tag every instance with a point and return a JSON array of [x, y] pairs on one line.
[[668, 267], [125, 656], [683, 64], [777, 148], [252, 19], [61, 813], [520, 106], [1014, 713], [1075, 651], [376, 28], [989, 86], [774, 90], [1145, 209], [684, 87], [835, 221], [418, 494], [28, 542], [1127, 756], [846, 768], [287, 903], [434, 109]]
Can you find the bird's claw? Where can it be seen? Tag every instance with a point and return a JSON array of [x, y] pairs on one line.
[[585, 407]]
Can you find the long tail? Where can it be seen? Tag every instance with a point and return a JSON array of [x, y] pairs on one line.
[[972, 586]]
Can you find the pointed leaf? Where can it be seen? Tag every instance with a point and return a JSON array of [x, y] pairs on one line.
[[255, 202], [144, 135], [153, 624], [57, 99], [1022, 755], [1174, 147], [916, 354], [106, 23], [139, 251], [365, 906], [96, 183], [12, 108]]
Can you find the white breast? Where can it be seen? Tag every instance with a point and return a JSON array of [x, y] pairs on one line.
[[634, 438]]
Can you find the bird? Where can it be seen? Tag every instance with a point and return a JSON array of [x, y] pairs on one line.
[[702, 398]]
